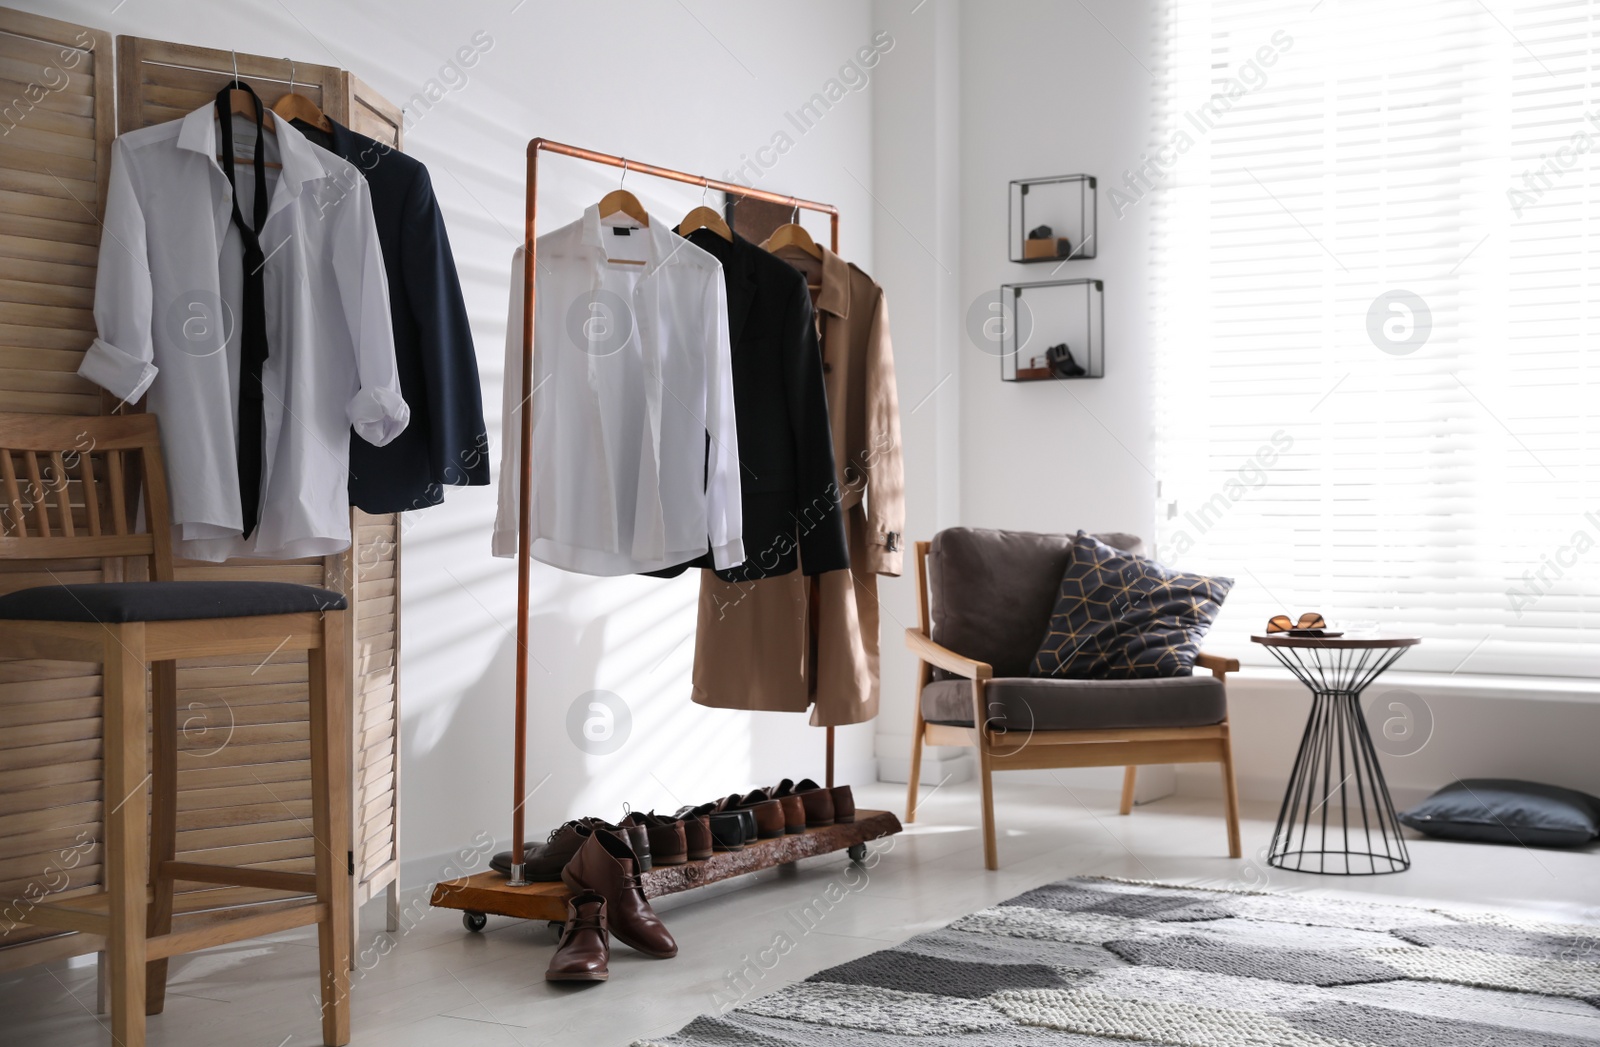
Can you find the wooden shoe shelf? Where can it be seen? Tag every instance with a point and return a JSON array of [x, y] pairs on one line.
[[484, 893]]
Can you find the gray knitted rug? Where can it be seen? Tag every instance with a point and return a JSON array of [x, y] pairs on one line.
[[1100, 963]]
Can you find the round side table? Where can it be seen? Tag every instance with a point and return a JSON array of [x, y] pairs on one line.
[[1337, 818]]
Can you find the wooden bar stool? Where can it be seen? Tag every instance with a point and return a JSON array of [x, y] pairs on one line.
[[64, 486]]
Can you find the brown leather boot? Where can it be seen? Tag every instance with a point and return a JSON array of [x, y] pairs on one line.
[[818, 803], [585, 950], [768, 812], [606, 865], [794, 810], [844, 804], [668, 845]]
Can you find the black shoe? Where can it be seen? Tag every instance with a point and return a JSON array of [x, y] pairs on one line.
[[1062, 365], [727, 827]]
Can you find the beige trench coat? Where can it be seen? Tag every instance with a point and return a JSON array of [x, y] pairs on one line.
[[754, 640]]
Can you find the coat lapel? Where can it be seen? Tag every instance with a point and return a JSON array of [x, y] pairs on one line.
[[737, 273]]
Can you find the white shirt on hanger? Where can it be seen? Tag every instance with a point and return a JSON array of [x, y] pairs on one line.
[[632, 372], [167, 307]]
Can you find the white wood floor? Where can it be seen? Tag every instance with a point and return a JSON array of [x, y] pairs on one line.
[[434, 984]]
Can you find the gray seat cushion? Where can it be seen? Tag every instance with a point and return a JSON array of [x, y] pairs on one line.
[[993, 592], [1021, 704]]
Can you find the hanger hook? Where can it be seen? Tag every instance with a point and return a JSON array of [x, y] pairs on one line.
[[292, 70], [705, 191], [794, 216], [235, 63], [624, 177]]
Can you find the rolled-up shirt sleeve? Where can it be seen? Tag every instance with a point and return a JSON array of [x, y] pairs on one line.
[[121, 359], [724, 512], [378, 412]]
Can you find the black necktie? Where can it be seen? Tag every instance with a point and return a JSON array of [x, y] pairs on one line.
[[253, 321]]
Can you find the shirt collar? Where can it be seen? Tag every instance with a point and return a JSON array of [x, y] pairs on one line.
[[299, 159], [661, 242], [298, 156]]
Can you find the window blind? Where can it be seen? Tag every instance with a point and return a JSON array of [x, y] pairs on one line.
[[1376, 229]]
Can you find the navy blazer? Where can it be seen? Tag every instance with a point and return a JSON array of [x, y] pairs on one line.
[[789, 490], [446, 443]]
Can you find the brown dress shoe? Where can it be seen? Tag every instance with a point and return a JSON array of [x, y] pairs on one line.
[[844, 804], [794, 810], [668, 845], [818, 803], [606, 865], [696, 835], [768, 812], [585, 949]]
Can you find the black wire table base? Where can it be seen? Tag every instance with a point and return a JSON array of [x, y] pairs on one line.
[[1337, 818]]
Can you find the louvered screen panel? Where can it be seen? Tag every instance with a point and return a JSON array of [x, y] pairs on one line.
[[376, 635], [57, 124], [375, 700], [55, 138]]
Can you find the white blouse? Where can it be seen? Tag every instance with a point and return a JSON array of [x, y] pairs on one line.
[[168, 298], [635, 454]]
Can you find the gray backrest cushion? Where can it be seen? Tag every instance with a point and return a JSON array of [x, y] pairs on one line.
[[993, 591]]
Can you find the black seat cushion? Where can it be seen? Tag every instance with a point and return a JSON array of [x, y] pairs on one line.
[[1030, 703], [1124, 617], [163, 601], [993, 591]]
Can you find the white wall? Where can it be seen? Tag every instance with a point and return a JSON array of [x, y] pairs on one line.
[[916, 141], [1056, 88], [1044, 89], [1051, 89], [702, 86]]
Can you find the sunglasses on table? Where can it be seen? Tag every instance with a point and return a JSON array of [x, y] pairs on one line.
[[1310, 622]]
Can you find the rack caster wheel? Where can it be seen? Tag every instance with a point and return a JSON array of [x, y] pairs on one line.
[[474, 921], [857, 852], [556, 927]]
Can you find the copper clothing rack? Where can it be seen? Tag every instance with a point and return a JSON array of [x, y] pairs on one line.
[[525, 480]]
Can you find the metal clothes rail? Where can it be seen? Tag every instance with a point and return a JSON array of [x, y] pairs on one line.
[[525, 480]]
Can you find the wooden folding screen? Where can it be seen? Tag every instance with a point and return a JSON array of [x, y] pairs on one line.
[[244, 748]]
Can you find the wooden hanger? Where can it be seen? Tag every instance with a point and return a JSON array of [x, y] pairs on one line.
[[703, 217], [619, 199], [793, 234], [294, 106]]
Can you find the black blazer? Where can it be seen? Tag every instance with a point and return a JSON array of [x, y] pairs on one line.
[[445, 444], [789, 492]]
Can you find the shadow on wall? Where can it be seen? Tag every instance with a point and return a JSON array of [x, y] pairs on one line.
[[459, 752]]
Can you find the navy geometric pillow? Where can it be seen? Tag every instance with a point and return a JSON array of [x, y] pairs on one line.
[[1122, 617]]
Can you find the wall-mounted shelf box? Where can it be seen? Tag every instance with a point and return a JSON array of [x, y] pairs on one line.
[[1036, 316], [1065, 203]]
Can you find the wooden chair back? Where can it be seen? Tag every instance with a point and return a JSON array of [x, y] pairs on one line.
[[66, 487], [924, 618]]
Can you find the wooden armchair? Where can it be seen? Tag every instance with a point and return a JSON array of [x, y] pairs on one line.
[[66, 487], [995, 592]]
